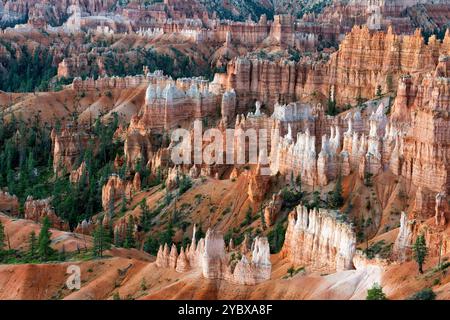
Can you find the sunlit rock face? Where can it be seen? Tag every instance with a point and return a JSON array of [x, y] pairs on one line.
[[169, 104], [272, 210], [37, 210], [318, 240], [112, 191], [365, 61], [211, 257], [425, 147], [401, 248], [437, 241], [67, 148], [9, 204], [80, 174]]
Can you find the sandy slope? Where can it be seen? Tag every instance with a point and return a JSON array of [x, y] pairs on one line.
[[19, 230]]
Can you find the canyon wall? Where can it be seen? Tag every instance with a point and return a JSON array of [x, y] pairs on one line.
[[9, 204], [118, 189], [318, 240], [210, 257], [426, 148], [67, 146], [37, 210], [365, 61]]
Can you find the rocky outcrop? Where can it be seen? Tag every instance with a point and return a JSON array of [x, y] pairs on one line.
[[425, 146], [299, 158], [442, 209], [318, 240], [384, 55], [272, 210], [79, 174], [85, 227], [37, 210], [112, 191], [402, 245], [259, 184], [9, 204], [170, 105], [210, 257], [436, 237], [67, 148]]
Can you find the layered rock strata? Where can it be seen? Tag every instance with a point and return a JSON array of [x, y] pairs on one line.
[[210, 257], [37, 210], [318, 240]]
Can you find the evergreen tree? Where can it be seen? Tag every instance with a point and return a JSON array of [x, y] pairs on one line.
[[146, 216], [123, 207], [425, 294], [167, 235], [263, 219], [376, 293], [62, 254], [316, 200], [276, 237], [199, 234], [420, 251], [151, 246], [32, 248], [44, 249], [129, 236], [379, 93], [291, 271], [292, 180], [102, 241], [337, 200], [2, 237], [298, 183], [331, 109], [117, 239]]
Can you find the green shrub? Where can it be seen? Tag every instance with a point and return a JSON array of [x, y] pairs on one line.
[[425, 294], [376, 293]]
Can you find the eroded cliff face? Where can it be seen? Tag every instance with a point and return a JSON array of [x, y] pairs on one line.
[[437, 237], [9, 204], [37, 210], [117, 189], [365, 61], [317, 240], [211, 257], [112, 191], [425, 147], [67, 148]]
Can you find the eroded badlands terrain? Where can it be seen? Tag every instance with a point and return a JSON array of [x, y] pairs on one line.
[[355, 101]]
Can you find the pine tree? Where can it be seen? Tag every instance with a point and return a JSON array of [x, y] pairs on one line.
[[316, 200], [151, 246], [263, 218], [117, 240], [44, 249], [102, 240], [2, 237], [62, 254], [167, 235], [298, 182], [420, 251], [379, 93], [32, 251], [376, 293], [291, 182], [146, 216], [337, 199], [123, 208], [129, 236]]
